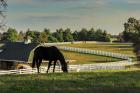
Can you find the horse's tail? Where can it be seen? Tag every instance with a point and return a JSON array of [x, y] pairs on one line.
[[34, 61]]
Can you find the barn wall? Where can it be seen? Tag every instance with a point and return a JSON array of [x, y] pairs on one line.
[[4, 65]]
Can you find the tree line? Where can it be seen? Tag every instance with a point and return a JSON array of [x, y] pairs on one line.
[[60, 35]]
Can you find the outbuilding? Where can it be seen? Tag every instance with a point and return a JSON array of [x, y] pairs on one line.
[[16, 55]]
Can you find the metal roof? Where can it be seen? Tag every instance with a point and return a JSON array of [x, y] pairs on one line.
[[16, 51]]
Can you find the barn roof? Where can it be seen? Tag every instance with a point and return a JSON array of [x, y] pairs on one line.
[[17, 51]]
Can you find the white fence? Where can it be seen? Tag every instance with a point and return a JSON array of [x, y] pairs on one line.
[[97, 52], [79, 42], [73, 68]]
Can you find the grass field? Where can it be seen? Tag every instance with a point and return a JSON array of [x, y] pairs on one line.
[[118, 48], [84, 82], [87, 58]]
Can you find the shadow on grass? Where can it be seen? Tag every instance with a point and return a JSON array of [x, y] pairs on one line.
[[86, 82]]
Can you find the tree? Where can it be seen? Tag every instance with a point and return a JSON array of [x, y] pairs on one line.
[[99, 35], [52, 39], [42, 38], [47, 31], [129, 28], [10, 36], [106, 37], [91, 34], [21, 36], [132, 29], [30, 33], [83, 35], [75, 35], [3, 6], [59, 34], [67, 35]]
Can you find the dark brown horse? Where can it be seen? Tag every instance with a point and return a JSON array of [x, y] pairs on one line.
[[51, 54]]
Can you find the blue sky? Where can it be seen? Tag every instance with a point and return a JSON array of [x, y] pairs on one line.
[[75, 14]]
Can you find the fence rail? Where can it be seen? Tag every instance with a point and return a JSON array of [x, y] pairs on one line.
[[73, 68], [97, 52]]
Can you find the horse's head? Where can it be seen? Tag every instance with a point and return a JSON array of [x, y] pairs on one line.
[[64, 67]]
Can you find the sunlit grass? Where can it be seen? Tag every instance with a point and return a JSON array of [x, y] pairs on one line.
[[84, 82], [117, 48], [87, 58]]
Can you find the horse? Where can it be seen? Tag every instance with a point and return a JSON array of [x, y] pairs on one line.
[[51, 53]]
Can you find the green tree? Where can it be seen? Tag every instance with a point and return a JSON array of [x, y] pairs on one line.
[[75, 36], [21, 36], [83, 35], [36, 37], [59, 34], [67, 35], [30, 33], [42, 38], [47, 31], [91, 34], [10, 36], [129, 28], [52, 39], [132, 27], [101, 35]]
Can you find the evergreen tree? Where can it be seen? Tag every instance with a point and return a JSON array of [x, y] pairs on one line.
[[67, 35]]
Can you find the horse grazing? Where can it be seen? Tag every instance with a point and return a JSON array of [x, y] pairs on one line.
[[51, 53]]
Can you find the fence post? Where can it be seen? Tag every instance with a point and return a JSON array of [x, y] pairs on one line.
[[78, 68], [19, 71]]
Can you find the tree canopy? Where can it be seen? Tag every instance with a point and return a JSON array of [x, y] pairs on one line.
[[131, 33], [60, 35]]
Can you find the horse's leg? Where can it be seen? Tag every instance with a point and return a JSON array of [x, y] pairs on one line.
[[37, 63], [54, 65], [49, 64]]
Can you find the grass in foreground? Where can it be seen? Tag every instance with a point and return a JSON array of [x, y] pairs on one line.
[[85, 82]]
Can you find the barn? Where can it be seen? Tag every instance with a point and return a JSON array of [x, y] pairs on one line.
[[16, 55]]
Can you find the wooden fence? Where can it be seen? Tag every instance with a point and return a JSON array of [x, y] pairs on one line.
[[97, 52], [72, 68]]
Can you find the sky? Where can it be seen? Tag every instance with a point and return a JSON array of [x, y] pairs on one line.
[[109, 15]]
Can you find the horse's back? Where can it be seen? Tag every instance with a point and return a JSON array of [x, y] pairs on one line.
[[48, 53]]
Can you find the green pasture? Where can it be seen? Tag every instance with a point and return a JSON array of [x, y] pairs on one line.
[[87, 58], [117, 48], [84, 82]]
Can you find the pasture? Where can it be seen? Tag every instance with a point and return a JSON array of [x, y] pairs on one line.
[[85, 82], [87, 58], [110, 47]]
